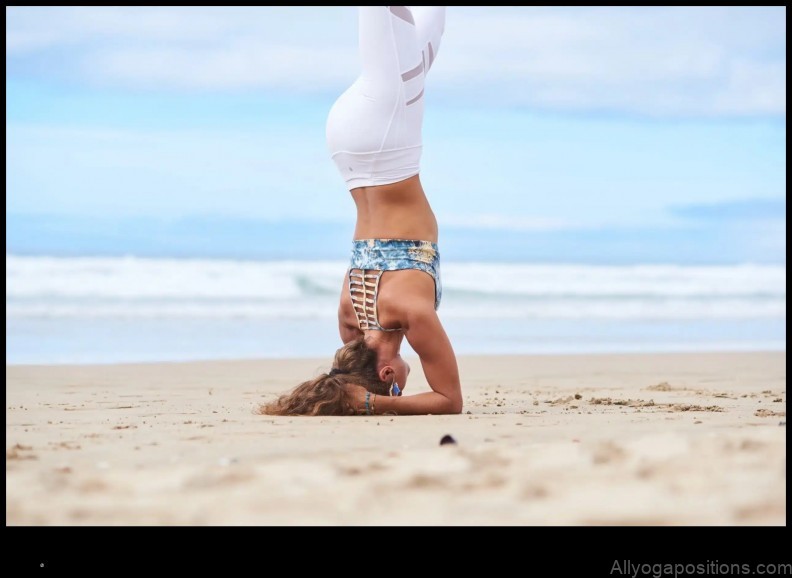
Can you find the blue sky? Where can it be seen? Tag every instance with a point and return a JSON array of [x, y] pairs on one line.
[[558, 133]]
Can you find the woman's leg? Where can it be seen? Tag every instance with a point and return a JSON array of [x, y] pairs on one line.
[[374, 128], [389, 46], [391, 58], [429, 27]]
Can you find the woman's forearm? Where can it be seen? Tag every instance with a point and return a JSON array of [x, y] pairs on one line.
[[421, 403]]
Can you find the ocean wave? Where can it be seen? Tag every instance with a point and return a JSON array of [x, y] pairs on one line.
[[132, 278]]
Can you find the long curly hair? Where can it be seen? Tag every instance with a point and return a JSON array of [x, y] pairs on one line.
[[326, 394]]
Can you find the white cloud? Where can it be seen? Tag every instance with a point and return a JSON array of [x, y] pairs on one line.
[[657, 61], [662, 61], [244, 64]]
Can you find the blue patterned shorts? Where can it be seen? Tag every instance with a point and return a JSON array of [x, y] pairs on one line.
[[396, 255]]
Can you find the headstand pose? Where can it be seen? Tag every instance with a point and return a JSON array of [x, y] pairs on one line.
[[392, 287]]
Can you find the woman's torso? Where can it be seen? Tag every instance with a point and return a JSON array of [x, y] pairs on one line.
[[396, 211], [399, 293]]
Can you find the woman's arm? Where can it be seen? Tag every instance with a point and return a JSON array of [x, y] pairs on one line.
[[348, 329], [426, 336]]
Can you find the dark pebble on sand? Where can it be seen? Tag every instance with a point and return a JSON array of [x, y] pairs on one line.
[[447, 439]]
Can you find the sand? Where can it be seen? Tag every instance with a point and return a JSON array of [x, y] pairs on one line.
[[543, 440]]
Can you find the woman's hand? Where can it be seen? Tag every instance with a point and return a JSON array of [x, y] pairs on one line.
[[356, 395]]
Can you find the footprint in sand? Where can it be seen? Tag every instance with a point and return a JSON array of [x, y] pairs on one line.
[[664, 386], [20, 452]]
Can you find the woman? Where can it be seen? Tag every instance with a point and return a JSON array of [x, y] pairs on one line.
[[392, 288]]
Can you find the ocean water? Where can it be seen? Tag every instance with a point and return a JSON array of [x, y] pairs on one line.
[[127, 309]]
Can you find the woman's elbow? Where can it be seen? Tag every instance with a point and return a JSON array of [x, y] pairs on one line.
[[454, 406]]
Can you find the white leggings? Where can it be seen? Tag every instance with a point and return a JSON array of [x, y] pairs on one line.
[[374, 128]]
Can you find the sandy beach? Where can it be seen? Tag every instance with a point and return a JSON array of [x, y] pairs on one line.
[[664, 439]]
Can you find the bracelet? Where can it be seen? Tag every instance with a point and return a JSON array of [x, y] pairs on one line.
[[373, 399], [368, 395]]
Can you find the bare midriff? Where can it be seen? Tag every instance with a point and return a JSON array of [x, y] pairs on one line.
[[396, 211]]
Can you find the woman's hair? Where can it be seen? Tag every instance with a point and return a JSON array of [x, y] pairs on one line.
[[354, 364]]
